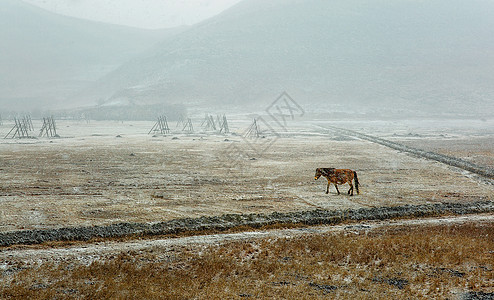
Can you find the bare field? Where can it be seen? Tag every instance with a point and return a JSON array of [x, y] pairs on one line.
[[109, 172], [471, 140], [477, 150]]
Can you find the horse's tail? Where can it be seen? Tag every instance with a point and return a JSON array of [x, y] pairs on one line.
[[356, 181]]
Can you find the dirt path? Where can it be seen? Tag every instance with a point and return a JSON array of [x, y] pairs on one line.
[[231, 221], [88, 253]]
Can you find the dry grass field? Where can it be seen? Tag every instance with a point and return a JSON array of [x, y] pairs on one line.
[[109, 172], [443, 261], [104, 173]]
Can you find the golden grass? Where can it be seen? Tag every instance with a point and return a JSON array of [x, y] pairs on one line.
[[400, 262]]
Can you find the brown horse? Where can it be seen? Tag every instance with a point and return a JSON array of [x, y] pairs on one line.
[[338, 176]]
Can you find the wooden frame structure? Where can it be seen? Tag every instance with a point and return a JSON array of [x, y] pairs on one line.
[[49, 128], [21, 128], [161, 126], [188, 126], [254, 130], [223, 124], [181, 121], [208, 124]]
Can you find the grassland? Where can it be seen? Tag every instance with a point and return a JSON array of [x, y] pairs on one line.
[[107, 173], [400, 262], [104, 173]]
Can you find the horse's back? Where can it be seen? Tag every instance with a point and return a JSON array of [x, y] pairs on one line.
[[343, 175], [337, 175]]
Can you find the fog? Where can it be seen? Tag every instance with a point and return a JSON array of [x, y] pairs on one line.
[[376, 59]]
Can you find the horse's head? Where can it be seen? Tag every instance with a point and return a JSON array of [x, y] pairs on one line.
[[318, 174], [323, 172]]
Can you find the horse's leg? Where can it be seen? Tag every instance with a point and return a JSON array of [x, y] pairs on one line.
[[336, 186], [350, 191], [327, 188]]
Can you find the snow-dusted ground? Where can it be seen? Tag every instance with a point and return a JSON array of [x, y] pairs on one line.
[[101, 173], [109, 172]]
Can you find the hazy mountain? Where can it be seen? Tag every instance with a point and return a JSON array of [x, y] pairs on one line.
[[150, 14], [45, 57], [399, 55]]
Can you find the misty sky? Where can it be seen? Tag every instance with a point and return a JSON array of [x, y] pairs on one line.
[[138, 13]]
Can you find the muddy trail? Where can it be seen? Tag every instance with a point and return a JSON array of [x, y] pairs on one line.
[[445, 159], [231, 221]]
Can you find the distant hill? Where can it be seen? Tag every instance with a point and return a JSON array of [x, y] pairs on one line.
[[432, 56], [45, 57]]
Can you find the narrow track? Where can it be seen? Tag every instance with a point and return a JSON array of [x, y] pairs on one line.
[[89, 253], [230, 221], [445, 159]]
